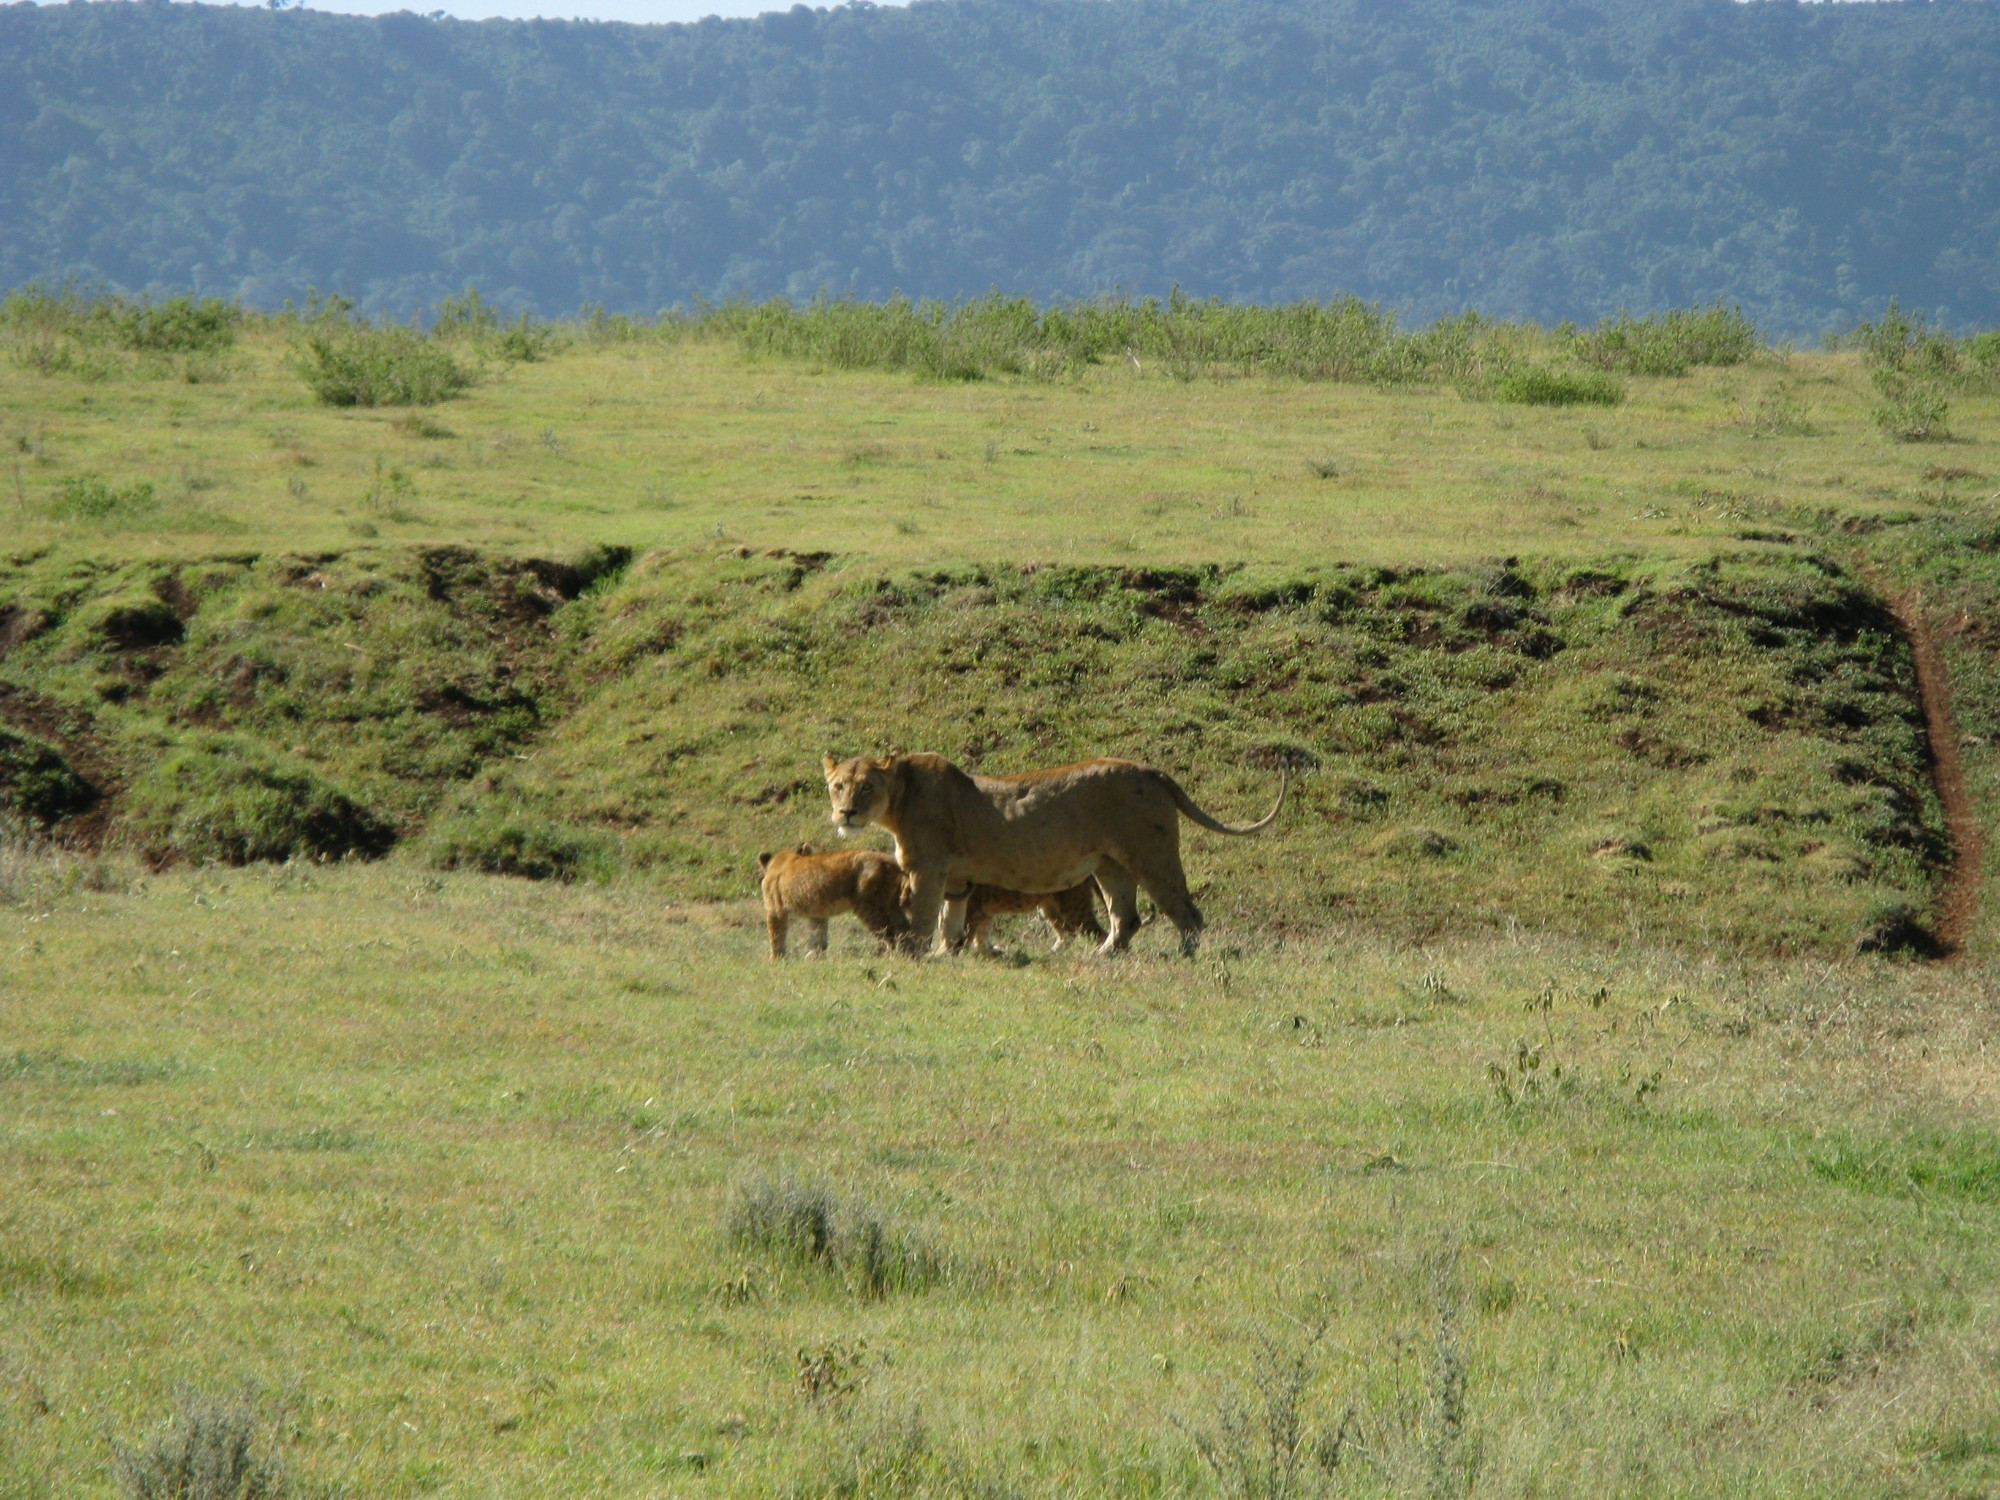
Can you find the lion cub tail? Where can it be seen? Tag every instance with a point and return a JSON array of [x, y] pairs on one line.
[[1215, 825]]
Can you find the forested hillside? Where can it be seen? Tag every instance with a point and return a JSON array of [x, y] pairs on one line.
[[1530, 158]]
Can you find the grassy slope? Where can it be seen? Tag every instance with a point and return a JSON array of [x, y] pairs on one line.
[[368, 612], [442, 1163]]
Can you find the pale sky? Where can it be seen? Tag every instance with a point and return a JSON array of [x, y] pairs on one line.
[[641, 11]]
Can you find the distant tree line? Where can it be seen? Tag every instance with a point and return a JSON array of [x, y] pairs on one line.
[[1540, 159]]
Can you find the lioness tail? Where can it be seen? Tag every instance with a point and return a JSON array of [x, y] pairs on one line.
[[1215, 825]]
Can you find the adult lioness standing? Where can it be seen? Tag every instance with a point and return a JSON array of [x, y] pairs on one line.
[[1116, 820]]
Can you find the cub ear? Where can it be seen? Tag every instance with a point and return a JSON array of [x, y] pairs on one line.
[[763, 863], [803, 849]]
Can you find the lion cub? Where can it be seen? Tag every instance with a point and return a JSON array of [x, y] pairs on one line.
[[1072, 913], [818, 887]]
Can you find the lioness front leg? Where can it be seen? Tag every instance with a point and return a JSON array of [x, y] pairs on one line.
[[926, 899]]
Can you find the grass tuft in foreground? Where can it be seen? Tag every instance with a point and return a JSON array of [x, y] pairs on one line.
[[211, 1452]]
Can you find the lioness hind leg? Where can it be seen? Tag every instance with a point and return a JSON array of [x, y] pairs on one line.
[[1170, 894], [1121, 898]]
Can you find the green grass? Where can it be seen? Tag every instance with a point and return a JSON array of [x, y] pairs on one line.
[[453, 1173], [1529, 1124]]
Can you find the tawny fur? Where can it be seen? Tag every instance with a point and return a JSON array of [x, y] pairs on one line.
[[1044, 831], [1071, 914], [819, 887]]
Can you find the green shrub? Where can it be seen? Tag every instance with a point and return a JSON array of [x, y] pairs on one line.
[[226, 800], [86, 497], [806, 1222], [1913, 410], [508, 844], [180, 325], [347, 363], [467, 314], [1539, 387], [525, 341], [36, 783], [1671, 342], [208, 1454]]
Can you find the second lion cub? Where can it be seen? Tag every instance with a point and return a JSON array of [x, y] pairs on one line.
[[819, 887]]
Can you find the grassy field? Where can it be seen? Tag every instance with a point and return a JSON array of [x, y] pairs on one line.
[[1542, 1116]]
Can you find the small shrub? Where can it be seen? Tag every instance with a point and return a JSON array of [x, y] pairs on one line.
[[806, 1222], [222, 800], [1671, 342], [37, 784], [526, 341], [1539, 387], [1781, 414], [1913, 411], [467, 314], [86, 497], [1265, 1445], [210, 1453], [346, 363], [508, 844], [180, 325], [1893, 927]]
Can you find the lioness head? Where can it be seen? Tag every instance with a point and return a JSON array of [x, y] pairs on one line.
[[858, 789]]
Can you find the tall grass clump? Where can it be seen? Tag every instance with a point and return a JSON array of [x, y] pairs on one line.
[[68, 330], [502, 843], [803, 1221], [349, 361], [1915, 366], [1535, 386], [87, 497], [1343, 339], [36, 783], [845, 334], [1268, 1442], [226, 800], [209, 1453], [1669, 343]]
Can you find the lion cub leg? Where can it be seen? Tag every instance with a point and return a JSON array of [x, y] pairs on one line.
[[815, 937], [1073, 914], [777, 919], [1121, 896]]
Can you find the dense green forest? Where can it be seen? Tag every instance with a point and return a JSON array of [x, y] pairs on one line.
[[1545, 159]]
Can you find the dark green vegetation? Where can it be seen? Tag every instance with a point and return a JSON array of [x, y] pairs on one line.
[[1530, 157]]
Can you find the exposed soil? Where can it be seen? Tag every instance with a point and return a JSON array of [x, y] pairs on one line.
[[1958, 903], [72, 733]]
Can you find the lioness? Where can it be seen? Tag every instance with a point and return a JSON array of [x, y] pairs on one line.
[[818, 887], [1039, 832], [1071, 913]]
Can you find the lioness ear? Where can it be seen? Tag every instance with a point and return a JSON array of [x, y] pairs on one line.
[[830, 765]]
